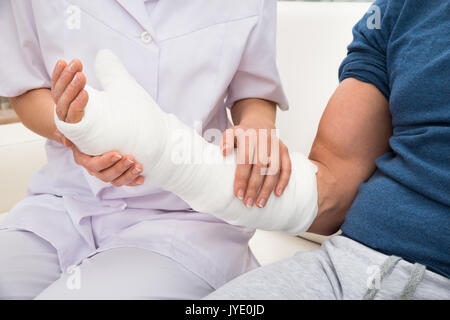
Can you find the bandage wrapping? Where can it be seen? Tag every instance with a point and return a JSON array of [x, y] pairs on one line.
[[125, 118]]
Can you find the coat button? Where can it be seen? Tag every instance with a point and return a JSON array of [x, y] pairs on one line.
[[146, 37]]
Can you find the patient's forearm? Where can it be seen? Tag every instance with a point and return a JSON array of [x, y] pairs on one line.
[[208, 185], [182, 162], [35, 110]]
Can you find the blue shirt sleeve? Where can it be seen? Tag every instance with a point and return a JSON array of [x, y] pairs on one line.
[[366, 56]]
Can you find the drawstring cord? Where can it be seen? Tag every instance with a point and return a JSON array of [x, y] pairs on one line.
[[385, 269], [410, 288], [413, 282]]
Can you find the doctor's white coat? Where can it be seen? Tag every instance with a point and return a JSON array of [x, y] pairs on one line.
[[195, 58]]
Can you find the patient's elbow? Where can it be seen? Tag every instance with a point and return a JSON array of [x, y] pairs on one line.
[[328, 222]]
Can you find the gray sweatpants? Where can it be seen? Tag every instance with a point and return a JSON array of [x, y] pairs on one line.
[[340, 269]]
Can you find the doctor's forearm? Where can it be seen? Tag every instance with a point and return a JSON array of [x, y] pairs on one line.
[[35, 110], [254, 109]]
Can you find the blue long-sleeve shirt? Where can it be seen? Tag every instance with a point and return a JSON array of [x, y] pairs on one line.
[[404, 208]]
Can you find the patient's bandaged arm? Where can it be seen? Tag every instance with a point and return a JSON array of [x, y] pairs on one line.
[[125, 118]]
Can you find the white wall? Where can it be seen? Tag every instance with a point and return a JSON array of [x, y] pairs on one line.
[[312, 40]]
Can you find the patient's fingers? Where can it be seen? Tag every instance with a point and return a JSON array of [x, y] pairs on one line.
[[76, 107], [59, 68], [61, 84], [70, 94]]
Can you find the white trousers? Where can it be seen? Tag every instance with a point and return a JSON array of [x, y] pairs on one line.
[[29, 269]]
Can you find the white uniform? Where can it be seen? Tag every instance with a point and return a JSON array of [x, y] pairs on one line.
[[195, 58]]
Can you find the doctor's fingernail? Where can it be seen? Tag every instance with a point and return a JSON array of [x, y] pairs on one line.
[[116, 158], [261, 203], [240, 194], [249, 203]]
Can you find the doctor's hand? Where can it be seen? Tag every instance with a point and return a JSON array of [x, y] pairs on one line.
[[68, 82], [111, 167], [264, 164]]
